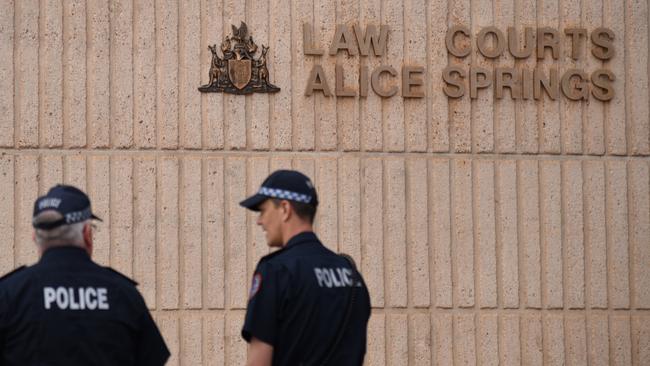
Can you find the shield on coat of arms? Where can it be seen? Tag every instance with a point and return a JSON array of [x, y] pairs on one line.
[[239, 72]]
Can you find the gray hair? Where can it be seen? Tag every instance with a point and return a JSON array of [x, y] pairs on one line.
[[64, 234]]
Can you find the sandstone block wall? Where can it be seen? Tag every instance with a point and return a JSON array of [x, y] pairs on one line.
[[489, 231]]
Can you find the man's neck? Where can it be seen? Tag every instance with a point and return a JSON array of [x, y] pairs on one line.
[[293, 229]]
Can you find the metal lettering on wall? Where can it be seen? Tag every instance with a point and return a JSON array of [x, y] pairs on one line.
[[238, 71], [530, 83]]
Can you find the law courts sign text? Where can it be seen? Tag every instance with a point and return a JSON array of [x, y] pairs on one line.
[[518, 82]]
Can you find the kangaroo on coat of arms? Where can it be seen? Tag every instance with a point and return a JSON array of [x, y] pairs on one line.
[[238, 71]]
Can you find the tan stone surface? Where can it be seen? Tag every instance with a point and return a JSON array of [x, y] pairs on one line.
[[489, 231]]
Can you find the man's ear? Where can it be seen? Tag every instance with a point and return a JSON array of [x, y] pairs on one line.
[[88, 238], [287, 210]]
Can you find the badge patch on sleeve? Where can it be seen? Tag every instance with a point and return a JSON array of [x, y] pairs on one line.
[[255, 286]]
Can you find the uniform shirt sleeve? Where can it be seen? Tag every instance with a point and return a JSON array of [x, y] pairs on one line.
[[151, 348], [265, 303], [3, 325]]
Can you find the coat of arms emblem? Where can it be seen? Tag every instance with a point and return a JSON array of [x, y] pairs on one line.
[[239, 71]]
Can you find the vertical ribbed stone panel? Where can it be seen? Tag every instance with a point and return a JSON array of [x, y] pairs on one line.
[[326, 181], [347, 108], [168, 325], [532, 340], [371, 133], [350, 207], [571, 113], [258, 120], [417, 232], [576, 340], [7, 215], [617, 235], [616, 110], [465, 339], [258, 169], [462, 247], [554, 341], [443, 341], [636, 77], [529, 232], [439, 175], [7, 82], [235, 255], [510, 340], [280, 24], [50, 97], [191, 340], [620, 342], [438, 106], [640, 339], [214, 235], [548, 109], [302, 128], [376, 347], [97, 77], [372, 233], [482, 111], [598, 340], [415, 109], [234, 106], [121, 72], [504, 109], [485, 234], [191, 248], [167, 73], [144, 71], [488, 340], [50, 172], [595, 234], [392, 14], [395, 233], [551, 233], [189, 74], [573, 243], [121, 206], [458, 12], [211, 103], [168, 234], [26, 73], [235, 345], [74, 73], [99, 193], [639, 218], [526, 111], [214, 339], [420, 342], [593, 113], [397, 347], [75, 171], [506, 233], [144, 228]]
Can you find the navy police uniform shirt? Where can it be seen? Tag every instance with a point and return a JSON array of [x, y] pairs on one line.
[[297, 302], [68, 310]]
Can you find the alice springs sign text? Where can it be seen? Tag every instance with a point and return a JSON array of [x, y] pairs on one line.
[[519, 81]]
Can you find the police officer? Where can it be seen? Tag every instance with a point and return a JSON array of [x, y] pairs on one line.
[[307, 305], [66, 309]]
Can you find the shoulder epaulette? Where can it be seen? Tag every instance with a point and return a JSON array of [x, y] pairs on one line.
[[132, 281], [13, 272]]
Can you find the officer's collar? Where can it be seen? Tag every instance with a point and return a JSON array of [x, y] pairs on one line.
[[64, 252], [304, 237]]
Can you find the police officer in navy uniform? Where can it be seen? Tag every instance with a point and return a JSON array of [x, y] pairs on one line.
[[66, 309], [307, 305]]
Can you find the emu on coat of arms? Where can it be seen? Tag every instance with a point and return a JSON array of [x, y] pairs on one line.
[[238, 71]]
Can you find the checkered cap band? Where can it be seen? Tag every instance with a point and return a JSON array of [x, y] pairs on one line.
[[284, 194]]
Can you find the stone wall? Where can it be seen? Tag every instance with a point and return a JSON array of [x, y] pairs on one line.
[[490, 231]]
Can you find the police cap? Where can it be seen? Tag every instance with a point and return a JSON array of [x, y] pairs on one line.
[[288, 185], [69, 201]]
